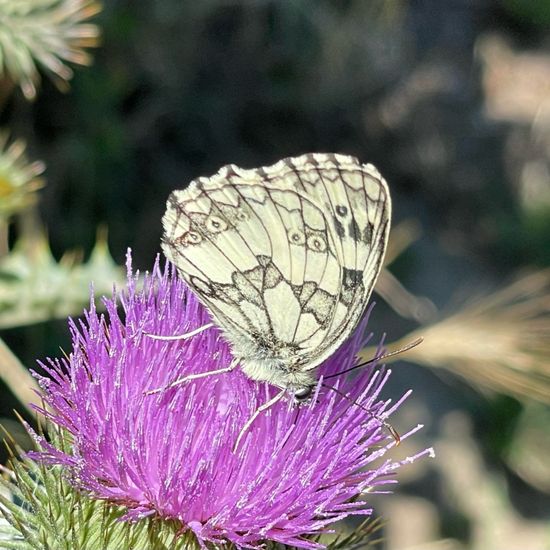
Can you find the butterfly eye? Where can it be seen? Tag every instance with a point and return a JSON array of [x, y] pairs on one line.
[[316, 243], [192, 237], [296, 237], [215, 224], [303, 394]]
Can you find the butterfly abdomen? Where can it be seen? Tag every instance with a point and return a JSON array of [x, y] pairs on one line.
[[278, 372]]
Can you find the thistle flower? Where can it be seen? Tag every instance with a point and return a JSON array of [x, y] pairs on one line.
[[171, 456], [18, 177], [47, 33]]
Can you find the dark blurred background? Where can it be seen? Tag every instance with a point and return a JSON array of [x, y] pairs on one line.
[[450, 99]]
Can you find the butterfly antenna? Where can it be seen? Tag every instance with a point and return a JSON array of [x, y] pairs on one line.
[[405, 348], [387, 425]]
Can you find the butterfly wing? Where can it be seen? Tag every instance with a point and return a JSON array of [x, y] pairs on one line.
[[285, 257], [355, 203]]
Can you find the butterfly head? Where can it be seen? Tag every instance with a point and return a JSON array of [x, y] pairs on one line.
[[303, 394]]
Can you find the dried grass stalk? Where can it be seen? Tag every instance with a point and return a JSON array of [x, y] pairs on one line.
[[499, 342]]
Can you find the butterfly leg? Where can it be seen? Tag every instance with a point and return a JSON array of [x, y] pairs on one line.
[[184, 336], [189, 377], [257, 412]]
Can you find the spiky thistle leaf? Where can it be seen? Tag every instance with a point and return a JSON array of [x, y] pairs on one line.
[[34, 287]]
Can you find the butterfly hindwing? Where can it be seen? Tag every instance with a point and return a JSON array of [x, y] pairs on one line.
[[356, 206], [285, 256]]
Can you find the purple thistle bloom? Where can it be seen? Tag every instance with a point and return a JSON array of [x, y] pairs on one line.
[[297, 469]]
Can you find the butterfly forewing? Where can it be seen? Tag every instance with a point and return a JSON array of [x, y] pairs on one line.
[[286, 256]]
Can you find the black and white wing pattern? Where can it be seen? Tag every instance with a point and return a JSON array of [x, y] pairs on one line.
[[285, 257]]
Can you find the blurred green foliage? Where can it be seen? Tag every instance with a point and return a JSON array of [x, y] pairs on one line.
[[177, 90], [535, 12]]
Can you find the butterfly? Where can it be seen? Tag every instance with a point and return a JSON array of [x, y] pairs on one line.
[[284, 257]]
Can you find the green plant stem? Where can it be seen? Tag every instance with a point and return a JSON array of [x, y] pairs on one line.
[[4, 249], [18, 378]]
